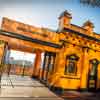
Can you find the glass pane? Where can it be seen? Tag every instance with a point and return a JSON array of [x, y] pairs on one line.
[[71, 64], [93, 69], [71, 67]]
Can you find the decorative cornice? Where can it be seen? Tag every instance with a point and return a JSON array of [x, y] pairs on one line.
[[22, 37], [81, 34]]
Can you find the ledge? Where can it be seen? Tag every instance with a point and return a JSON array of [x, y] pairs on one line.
[[22, 37]]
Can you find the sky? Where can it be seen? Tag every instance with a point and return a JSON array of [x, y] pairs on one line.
[[45, 13]]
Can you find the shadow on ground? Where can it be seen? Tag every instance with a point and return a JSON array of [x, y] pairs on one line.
[[74, 95]]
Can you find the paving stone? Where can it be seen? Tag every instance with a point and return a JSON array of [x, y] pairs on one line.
[[24, 88]]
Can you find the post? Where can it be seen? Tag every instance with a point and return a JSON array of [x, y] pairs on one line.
[[37, 64]]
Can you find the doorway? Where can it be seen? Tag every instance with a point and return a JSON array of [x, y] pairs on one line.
[[19, 63], [92, 77]]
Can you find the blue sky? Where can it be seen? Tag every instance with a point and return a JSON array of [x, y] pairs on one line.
[[45, 13]]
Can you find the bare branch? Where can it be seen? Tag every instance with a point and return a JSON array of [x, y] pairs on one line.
[[93, 3]]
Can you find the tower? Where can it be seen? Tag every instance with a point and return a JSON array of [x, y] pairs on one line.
[[64, 19], [89, 26]]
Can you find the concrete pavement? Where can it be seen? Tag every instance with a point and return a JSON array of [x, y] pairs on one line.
[[24, 88]]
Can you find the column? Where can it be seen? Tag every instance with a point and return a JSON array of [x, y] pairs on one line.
[[84, 70], [37, 64]]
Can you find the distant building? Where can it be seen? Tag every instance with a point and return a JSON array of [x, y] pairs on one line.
[[20, 62]]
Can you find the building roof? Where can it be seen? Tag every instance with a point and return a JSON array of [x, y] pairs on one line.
[[88, 23]]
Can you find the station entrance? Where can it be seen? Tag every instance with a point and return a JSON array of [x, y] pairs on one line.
[[40, 42], [40, 66], [17, 75]]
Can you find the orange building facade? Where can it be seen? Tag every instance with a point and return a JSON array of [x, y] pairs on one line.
[[71, 54]]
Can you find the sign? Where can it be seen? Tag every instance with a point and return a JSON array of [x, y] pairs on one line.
[[28, 30], [17, 27]]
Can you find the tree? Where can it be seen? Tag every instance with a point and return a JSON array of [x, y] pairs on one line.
[[93, 3]]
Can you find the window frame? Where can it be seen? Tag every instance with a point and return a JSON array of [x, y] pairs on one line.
[[93, 63], [73, 58]]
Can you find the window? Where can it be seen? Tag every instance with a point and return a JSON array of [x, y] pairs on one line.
[[71, 64], [93, 64], [52, 62]]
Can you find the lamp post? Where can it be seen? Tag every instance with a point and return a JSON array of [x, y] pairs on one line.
[[23, 65]]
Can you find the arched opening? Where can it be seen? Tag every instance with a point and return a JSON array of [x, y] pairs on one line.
[[71, 64], [19, 63], [92, 76]]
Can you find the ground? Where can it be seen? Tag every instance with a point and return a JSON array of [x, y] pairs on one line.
[[74, 95], [24, 88]]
